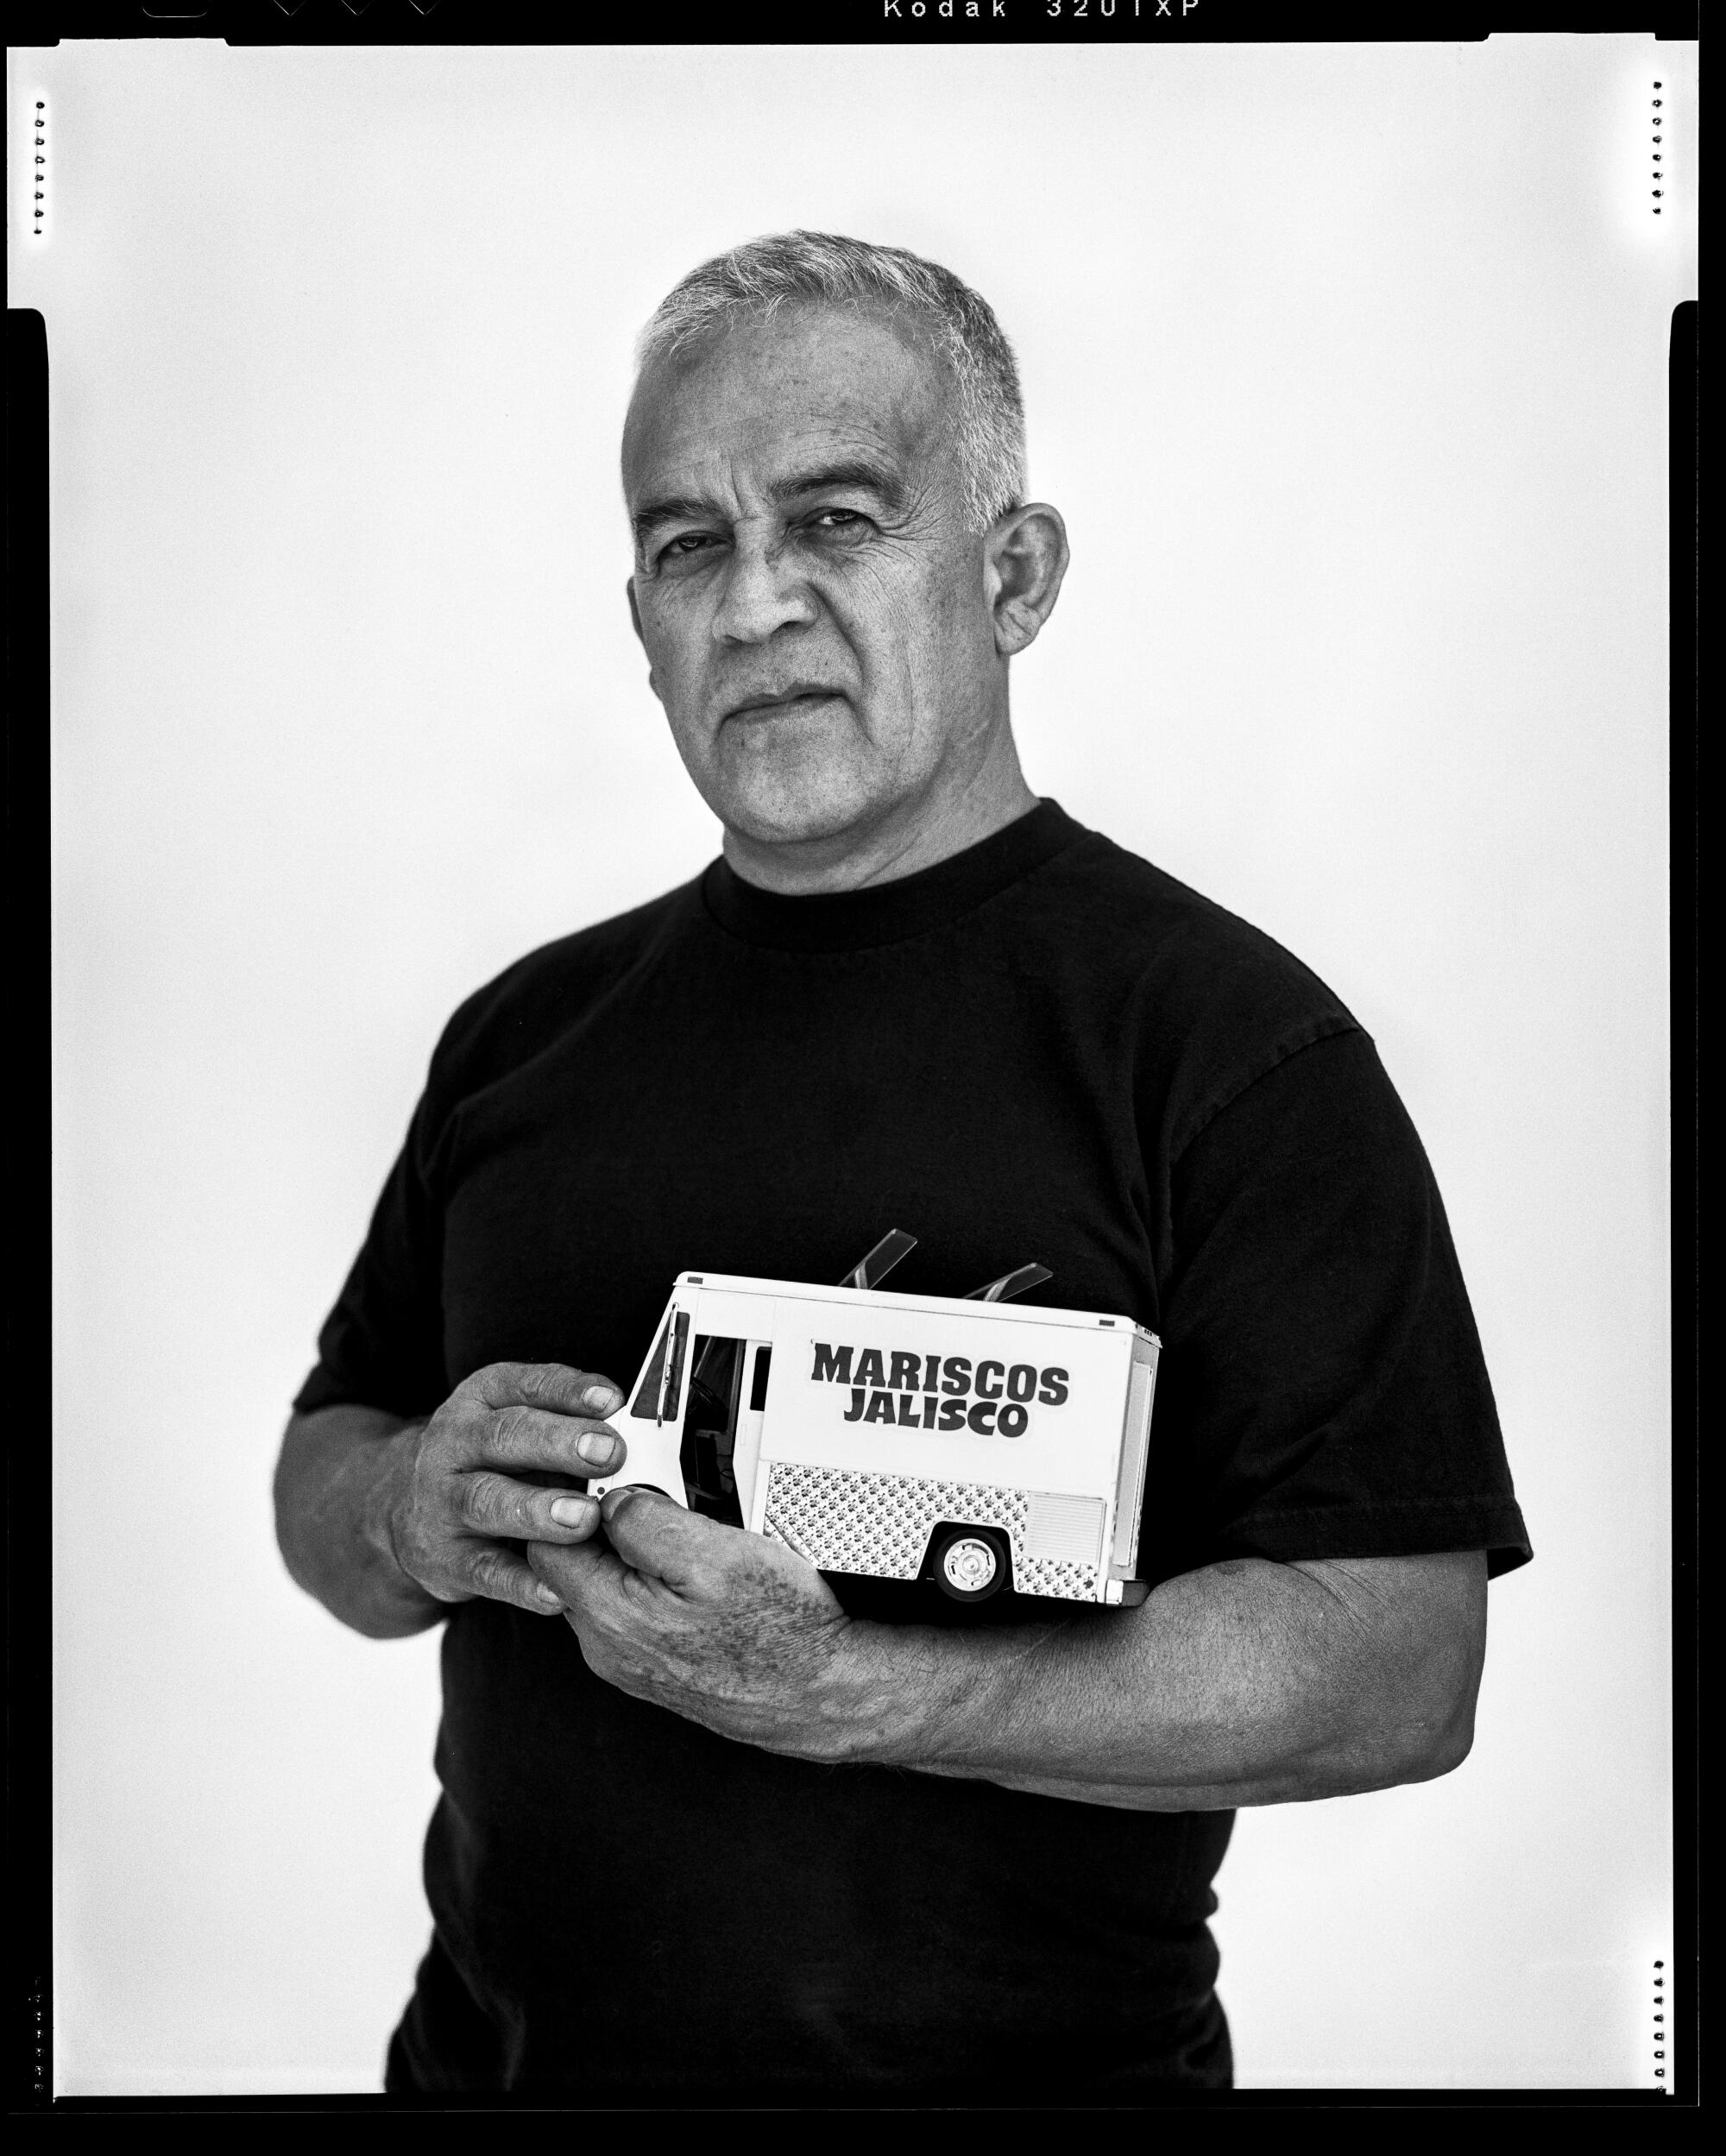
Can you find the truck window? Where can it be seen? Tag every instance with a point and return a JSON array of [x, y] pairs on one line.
[[709, 1434], [656, 1395]]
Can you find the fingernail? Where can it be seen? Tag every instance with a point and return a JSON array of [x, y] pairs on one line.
[[549, 1596], [569, 1512], [595, 1448], [601, 1398]]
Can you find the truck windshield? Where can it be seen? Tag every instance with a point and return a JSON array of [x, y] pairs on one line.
[[659, 1389]]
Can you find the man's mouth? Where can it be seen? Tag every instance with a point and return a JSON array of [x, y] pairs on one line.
[[802, 696]]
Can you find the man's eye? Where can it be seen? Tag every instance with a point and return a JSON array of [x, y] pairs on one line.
[[837, 519], [684, 544]]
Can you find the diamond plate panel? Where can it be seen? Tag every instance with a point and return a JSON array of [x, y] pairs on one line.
[[1058, 1578], [845, 1521]]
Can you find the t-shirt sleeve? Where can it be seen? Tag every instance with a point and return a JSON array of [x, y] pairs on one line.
[[1322, 1391], [382, 1345]]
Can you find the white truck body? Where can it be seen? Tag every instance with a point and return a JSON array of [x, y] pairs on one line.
[[862, 1422]]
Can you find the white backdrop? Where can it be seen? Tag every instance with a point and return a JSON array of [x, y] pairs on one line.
[[1346, 366]]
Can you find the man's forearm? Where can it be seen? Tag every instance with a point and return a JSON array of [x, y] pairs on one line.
[[332, 1486], [1243, 1683]]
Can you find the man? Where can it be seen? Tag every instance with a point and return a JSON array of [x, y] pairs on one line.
[[715, 1828]]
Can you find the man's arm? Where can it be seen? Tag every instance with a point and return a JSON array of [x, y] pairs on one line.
[[389, 1522], [334, 1483], [1243, 1683]]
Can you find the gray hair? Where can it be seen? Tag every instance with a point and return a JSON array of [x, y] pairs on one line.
[[759, 277]]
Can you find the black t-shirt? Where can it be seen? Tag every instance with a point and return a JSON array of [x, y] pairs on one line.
[[1043, 1047]]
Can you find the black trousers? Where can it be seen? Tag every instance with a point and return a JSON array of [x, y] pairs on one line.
[[448, 2053]]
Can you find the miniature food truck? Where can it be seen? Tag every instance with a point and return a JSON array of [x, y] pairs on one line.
[[954, 1439]]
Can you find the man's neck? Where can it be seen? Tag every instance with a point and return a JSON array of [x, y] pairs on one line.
[[916, 836]]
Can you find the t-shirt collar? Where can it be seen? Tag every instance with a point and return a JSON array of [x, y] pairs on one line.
[[890, 912]]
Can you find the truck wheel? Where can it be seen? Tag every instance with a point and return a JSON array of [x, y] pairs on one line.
[[969, 1563]]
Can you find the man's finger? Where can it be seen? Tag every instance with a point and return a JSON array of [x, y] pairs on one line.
[[529, 1437], [655, 1534], [496, 1504], [501, 1576], [576, 1572], [553, 1386]]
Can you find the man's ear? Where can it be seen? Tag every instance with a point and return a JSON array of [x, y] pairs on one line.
[[635, 623], [1025, 556]]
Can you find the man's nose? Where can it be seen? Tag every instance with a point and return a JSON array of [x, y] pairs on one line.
[[763, 593]]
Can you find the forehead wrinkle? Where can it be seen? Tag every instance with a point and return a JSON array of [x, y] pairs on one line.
[[840, 423], [863, 473]]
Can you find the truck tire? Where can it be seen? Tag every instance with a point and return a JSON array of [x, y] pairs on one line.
[[969, 1564]]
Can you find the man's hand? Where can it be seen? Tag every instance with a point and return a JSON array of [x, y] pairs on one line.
[[730, 1629], [458, 1498], [387, 1520]]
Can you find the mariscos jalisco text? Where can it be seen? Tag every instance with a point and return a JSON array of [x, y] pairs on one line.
[[937, 1392]]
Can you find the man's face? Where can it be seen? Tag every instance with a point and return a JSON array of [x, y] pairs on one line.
[[813, 606]]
